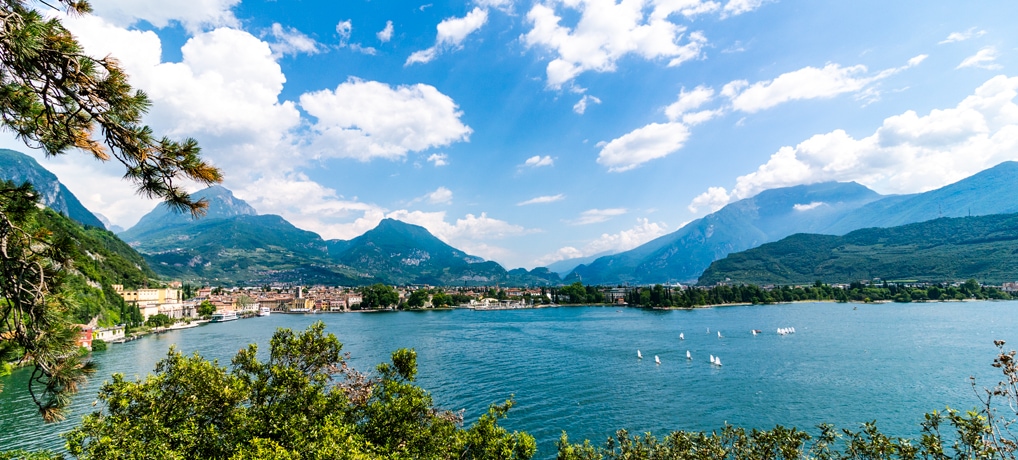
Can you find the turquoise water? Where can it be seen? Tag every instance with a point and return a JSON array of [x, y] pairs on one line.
[[576, 369]]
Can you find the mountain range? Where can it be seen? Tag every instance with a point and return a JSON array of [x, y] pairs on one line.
[[233, 244], [825, 208], [959, 248], [20, 168]]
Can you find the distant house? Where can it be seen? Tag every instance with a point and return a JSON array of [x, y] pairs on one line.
[[109, 334], [84, 336]]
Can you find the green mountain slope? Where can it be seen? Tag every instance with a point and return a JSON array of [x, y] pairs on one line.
[[401, 253], [221, 205], [20, 168], [683, 255], [984, 248], [243, 249]]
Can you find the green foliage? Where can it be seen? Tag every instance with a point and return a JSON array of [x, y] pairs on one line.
[[288, 407], [418, 298], [159, 320], [206, 308], [940, 249], [577, 293], [378, 296]]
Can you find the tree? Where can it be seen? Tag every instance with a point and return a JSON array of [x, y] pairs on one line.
[[56, 98], [159, 320], [378, 296], [206, 308], [417, 298], [302, 402]]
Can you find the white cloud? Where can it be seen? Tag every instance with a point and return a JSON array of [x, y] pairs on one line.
[[983, 59], [451, 34], [366, 120], [193, 15], [538, 161], [441, 195], [808, 207], [439, 159], [344, 29], [713, 199], [807, 83], [594, 216], [625, 240], [688, 101], [385, 34], [737, 7], [542, 200], [955, 37], [907, 154], [650, 142], [688, 8], [290, 41], [581, 105], [606, 32]]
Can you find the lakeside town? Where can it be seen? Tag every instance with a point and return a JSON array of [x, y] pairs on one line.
[[178, 306]]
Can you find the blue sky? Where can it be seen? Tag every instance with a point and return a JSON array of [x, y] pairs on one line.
[[528, 132]]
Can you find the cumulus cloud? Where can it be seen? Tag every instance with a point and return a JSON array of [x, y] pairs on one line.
[[689, 100], [451, 34], [644, 231], [581, 105], [290, 41], [737, 7], [606, 32], [441, 195], [364, 120], [808, 207], [713, 199], [983, 59], [193, 15], [955, 37], [594, 216], [538, 161], [439, 159], [385, 34], [807, 83], [909, 153], [542, 200], [650, 142]]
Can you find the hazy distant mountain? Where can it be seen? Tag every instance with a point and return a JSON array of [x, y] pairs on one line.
[[682, 256], [221, 205], [993, 191], [946, 249], [20, 168], [107, 224], [564, 267]]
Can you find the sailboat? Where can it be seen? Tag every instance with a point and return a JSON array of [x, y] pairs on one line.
[[682, 337], [717, 361], [712, 359], [657, 360], [719, 334], [688, 356], [754, 331], [639, 355]]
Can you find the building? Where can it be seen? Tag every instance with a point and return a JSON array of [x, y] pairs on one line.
[[154, 301], [109, 334]]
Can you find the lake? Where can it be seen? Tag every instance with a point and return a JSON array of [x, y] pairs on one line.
[[576, 368]]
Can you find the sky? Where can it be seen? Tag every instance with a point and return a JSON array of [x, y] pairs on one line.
[[529, 132]]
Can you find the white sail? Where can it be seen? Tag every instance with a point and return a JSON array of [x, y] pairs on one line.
[[712, 359], [657, 360], [639, 355], [719, 334], [717, 361], [682, 337], [688, 356]]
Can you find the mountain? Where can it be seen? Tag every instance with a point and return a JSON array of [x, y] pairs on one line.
[[993, 191], [564, 267], [221, 205], [20, 168], [401, 253], [944, 249], [772, 214], [829, 208]]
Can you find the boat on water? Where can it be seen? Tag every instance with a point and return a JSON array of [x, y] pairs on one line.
[[688, 356], [712, 359], [223, 317], [719, 334], [657, 360], [639, 355], [717, 361], [264, 311], [682, 337]]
